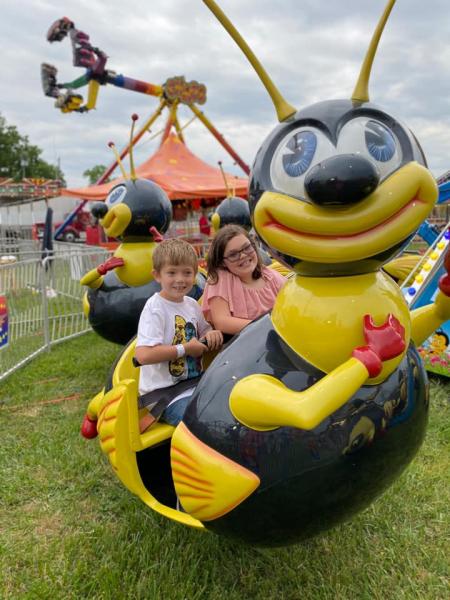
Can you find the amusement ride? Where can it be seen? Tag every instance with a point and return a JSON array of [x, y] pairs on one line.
[[313, 410]]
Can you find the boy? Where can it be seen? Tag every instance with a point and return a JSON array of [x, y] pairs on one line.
[[170, 327]]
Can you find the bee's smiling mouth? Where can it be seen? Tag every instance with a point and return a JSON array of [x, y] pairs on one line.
[[108, 220], [116, 220], [273, 223], [381, 221]]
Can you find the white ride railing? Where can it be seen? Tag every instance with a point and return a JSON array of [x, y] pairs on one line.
[[41, 301]]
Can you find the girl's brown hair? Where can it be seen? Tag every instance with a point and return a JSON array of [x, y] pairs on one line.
[[217, 250]]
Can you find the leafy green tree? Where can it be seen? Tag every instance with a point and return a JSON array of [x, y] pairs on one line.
[[95, 173], [19, 159]]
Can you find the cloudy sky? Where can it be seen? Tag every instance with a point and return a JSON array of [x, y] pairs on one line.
[[312, 50]]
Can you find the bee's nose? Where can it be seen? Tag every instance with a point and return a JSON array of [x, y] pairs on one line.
[[341, 180]]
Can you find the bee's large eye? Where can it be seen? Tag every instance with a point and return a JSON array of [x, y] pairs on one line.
[[116, 195], [379, 141], [302, 148], [374, 140], [296, 153]]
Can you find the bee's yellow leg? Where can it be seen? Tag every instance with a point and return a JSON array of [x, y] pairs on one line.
[[262, 402]]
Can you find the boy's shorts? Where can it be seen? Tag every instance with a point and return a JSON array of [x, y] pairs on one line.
[[162, 403], [174, 413]]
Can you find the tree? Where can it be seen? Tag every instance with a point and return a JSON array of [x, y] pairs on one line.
[[20, 159], [95, 173]]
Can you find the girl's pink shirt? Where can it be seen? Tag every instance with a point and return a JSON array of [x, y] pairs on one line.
[[244, 302]]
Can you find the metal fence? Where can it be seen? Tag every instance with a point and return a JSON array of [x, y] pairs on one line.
[[24, 249], [41, 302], [15, 232], [14, 246], [187, 228]]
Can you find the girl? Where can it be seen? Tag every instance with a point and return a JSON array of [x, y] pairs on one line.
[[239, 288]]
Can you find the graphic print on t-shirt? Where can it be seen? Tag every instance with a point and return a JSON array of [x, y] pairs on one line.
[[184, 332]]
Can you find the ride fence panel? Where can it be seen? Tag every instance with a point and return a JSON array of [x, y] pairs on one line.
[[14, 246], [187, 228], [28, 249], [21, 316], [63, 295], [41, 304]]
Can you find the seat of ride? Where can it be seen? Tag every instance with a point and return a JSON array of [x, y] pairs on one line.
[[126, 369], [140, 460]]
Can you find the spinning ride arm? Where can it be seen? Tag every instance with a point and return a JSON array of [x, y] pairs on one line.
[[94, 60], [198, 113], [175, 91]]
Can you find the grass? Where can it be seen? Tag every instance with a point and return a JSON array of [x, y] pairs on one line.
[[70, 530]]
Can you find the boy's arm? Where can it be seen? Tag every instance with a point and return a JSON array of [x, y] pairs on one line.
[[150, 346], [150, 355]]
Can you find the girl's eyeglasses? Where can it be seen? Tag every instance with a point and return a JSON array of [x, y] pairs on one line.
[[235, 255]]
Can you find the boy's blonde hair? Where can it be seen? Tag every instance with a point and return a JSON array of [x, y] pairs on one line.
[[174, 252]]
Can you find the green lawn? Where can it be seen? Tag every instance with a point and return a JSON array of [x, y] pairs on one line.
[[70, 530]]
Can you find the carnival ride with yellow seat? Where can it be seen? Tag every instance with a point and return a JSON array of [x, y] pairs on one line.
[[114, 414], [313, 410]]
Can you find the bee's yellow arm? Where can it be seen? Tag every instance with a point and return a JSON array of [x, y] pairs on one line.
[[92, 279], [263, 402], [426, 319]]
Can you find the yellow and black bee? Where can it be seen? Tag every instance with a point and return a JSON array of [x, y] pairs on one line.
[[137, 212], [313, 410], [337, 189]]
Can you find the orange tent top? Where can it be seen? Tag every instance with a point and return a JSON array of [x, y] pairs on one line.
[[180, 173]]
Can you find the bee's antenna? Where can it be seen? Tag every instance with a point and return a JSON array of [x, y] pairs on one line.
[[134, 118], [283, 108], [361, 91], [119, 162], [224, 178]]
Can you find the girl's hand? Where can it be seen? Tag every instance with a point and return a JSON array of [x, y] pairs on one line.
[[194, 348], [214, 339]]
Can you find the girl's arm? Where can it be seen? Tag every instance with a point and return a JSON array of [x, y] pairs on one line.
[[222, 319], [213, 337]]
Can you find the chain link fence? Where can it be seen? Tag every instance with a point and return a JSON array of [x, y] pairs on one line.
[[41, 301]]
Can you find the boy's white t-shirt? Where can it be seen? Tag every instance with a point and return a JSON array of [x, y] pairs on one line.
[[169, 323]]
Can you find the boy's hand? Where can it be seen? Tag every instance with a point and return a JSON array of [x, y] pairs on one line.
[[214, 339], [194, 348]]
